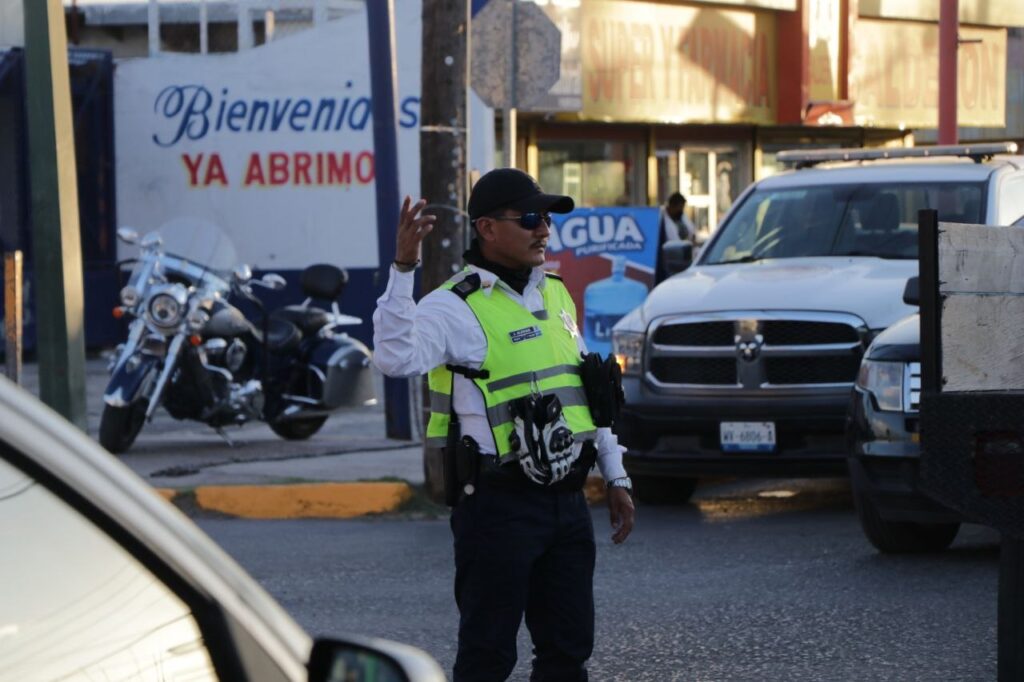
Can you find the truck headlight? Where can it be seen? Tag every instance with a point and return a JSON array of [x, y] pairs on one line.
[[628, 349], [883, 380]]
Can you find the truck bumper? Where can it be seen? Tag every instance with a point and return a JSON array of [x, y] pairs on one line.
[[680, 436], [884, 453]]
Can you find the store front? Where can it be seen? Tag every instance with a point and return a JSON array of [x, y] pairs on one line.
[[672, 96], [699, 97]]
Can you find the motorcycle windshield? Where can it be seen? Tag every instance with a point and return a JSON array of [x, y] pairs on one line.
[[201, 242]]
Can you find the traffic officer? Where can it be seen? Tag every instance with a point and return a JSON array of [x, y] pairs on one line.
[[503, 350]]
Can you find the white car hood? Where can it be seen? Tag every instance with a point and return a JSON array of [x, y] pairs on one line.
[[871, 288]]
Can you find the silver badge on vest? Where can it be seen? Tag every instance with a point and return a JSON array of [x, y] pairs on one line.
[[569, 323]]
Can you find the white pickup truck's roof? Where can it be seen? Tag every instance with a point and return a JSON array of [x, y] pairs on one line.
[[921, 170]]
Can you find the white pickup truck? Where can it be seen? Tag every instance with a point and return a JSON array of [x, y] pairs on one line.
[[744, 362]]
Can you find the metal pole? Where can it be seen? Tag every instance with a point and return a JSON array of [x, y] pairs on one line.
[[204, 28], [13, 314], [319, 12], [948, 45], [381, 28], [269, 25], [245, 39], [508, 120], [54, 195], [153, 20]]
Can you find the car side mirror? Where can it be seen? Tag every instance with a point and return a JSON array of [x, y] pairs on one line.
[[677, 255], [911, 292], [371, 661]]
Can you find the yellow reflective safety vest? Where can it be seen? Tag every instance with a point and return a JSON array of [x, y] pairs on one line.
[[526, 352]]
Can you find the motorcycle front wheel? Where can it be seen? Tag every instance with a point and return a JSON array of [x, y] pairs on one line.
[[298, 429], [120, 425]]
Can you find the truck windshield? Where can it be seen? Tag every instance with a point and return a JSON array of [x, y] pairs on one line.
[[849, 220]]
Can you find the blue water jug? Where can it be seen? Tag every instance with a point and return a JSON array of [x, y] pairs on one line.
[[605, 302]]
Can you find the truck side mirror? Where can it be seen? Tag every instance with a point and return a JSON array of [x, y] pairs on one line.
[[677, 255], [911, 292]]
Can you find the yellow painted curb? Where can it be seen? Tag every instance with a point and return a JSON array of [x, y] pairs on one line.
[[594, 489], [167, 493], [304, 500]]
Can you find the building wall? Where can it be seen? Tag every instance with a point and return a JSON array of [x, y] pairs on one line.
[[12, 23]]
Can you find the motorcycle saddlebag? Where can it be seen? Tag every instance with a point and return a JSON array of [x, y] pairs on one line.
[[348, 378]]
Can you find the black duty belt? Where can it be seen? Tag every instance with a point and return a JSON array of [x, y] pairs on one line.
[[509, 475]]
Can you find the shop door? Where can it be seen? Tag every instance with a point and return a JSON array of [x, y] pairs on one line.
[[711, 179]]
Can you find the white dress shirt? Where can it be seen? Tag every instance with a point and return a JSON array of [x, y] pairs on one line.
[[410, 340], [672, 228]]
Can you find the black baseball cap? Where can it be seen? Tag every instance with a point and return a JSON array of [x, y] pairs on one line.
[[514, 189]]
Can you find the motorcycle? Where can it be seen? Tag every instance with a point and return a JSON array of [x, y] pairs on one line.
[[191, 349]]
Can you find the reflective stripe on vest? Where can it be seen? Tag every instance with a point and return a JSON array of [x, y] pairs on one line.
[[526, 353], [440, 382]]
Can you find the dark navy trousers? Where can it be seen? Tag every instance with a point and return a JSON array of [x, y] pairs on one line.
[[521, 552]]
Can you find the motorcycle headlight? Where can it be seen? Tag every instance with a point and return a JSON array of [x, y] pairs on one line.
[[164, 310], [167, 306], [130, 296], [883, 380], [628, 349]]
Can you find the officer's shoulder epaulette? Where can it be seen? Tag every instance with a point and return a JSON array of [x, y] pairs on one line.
[[467, 286], [553, 276]]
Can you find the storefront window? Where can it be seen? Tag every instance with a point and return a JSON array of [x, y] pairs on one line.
[[594, 173]]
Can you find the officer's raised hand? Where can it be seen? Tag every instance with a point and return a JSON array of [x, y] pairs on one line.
[[412, 228], [620, 505]]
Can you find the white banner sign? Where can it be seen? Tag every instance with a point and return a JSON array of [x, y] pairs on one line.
[[274, 144]]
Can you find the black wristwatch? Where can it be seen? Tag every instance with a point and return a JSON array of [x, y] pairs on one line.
[[623, 482]]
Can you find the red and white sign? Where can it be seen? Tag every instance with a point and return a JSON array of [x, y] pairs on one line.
[[273, 144]]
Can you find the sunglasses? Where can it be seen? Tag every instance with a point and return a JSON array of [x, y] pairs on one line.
[[529, 221]]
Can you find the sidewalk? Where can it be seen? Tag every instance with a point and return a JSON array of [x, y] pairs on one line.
[[350, 468]]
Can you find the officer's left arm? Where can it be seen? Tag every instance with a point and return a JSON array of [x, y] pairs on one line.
[[622, 513], [609, 461]]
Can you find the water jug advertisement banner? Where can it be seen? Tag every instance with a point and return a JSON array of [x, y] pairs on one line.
[[606, 256]]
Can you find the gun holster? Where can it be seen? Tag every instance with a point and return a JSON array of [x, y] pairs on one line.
[[460, 464], [602, 383]]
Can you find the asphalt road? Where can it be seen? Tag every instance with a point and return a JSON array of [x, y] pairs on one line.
[[737, 586]]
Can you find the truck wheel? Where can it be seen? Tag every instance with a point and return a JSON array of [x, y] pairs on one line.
[[901, 537], [656, 491], [119, 426], [297, 429]]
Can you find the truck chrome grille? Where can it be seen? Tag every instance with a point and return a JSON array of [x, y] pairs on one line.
[[819, 370], [801, 333], [696, 334], [707, 371], [755, 350], [912, 387]]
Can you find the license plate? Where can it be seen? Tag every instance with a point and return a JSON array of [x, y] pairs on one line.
[[748, 436]]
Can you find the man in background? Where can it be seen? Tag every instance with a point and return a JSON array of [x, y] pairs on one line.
[[673, 225]]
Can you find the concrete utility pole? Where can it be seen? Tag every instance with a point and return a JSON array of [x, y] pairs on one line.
[[444, 151], [55, 229]]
